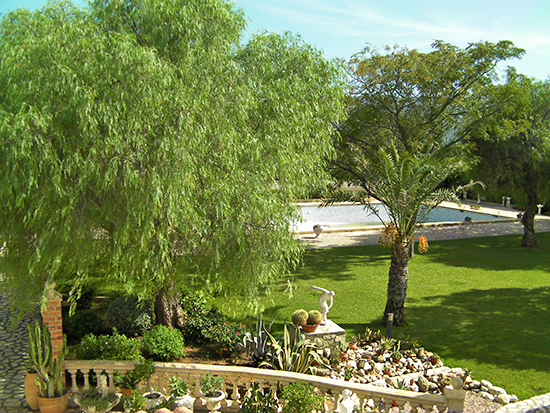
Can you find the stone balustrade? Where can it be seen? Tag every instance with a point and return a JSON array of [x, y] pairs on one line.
[[238, 379]]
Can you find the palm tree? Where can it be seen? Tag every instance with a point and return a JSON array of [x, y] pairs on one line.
[[408, 187]]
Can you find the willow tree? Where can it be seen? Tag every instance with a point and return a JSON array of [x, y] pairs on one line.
[[411, 116], [141, 144]]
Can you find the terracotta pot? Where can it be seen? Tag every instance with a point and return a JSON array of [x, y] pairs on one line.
[[344, 356], [31, 390], [127, 392], [54, 404], [309, 328]]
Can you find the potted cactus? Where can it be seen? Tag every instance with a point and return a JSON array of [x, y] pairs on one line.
[[299, 317], [314, 318], [52, 396]]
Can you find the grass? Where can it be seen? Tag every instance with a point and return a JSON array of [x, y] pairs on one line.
[[480, 303]]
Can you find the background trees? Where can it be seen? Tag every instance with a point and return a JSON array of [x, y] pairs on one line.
[[411, 117], [142, 144], [514, 152]]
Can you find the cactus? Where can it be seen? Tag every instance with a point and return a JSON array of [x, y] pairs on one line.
[[314, 317], [299, 317], [50, 371]]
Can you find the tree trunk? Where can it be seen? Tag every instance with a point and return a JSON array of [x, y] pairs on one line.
[[397, 284], [528, 220], [168, 310]]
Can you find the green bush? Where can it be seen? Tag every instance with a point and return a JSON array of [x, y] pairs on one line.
[[82, 323], [130, 316], [115, 347], [225, 337], [197, 318], [164, 344], [300, 397]]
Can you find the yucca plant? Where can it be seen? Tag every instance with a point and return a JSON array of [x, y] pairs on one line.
[[295, 354], [50, 370]]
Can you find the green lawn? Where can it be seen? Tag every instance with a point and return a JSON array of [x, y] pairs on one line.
[[481, 303]]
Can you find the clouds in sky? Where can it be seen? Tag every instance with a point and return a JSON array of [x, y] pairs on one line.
[[342, 28]]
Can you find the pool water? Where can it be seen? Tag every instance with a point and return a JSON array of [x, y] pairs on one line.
[[349, 216]]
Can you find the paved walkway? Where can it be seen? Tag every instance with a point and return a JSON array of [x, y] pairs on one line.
[[13, 355]]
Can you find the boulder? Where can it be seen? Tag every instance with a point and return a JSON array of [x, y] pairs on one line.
[[496, 390]]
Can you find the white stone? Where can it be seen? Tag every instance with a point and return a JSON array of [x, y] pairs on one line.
[[486, 395], [475, 384], [497, 390], [513, 398], [486, 383], [502, 398]]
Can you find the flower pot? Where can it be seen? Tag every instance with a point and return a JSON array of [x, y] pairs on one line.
[[214, 403], [127, 392], [152, 399], [54, 404], [31, 390], [184, 401], [307, 328], [103, 405]]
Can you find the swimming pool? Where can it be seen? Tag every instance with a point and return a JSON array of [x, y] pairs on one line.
[[351, 216]]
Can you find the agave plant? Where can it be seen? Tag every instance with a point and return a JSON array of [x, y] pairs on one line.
[[294, 355], [256, 342]]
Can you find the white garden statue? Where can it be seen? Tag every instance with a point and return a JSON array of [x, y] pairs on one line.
[[325, 295]]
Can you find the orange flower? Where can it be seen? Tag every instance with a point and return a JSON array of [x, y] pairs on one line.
[[422, 244]]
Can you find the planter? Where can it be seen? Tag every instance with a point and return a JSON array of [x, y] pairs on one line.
[[308, 328], [103, 404], [54, 404], [31, 390], [184, 401], [152, 399], [214, 403], [344, 356]]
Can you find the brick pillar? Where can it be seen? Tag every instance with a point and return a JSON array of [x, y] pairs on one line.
[[51, 318]]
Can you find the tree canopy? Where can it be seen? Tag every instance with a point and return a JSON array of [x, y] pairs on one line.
[[142, 143], [514, 151], [411, 116]]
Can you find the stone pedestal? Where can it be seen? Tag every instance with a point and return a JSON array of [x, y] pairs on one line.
[[327, 335]]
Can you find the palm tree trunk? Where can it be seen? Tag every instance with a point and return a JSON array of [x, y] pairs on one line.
[[397, 283], [528, 220]]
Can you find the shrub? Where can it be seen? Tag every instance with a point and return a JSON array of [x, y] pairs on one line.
[[164, 343], [225, 337], [131, 317], [300, 397], [82, 323], [115, 347], [197, 317]]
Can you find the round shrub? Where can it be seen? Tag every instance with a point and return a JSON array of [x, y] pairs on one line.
[[115, 347], [164, 343], [130, 316]]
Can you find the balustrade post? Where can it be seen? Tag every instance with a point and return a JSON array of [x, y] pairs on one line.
[[455, 395]]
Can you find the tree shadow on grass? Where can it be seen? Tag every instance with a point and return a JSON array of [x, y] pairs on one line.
[[339, 262], [503, 253], [506, 327]]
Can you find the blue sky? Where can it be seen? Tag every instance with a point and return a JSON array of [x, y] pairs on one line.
[[342, 28]]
